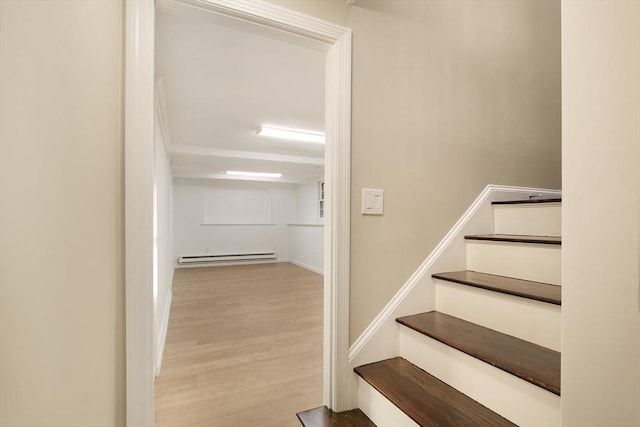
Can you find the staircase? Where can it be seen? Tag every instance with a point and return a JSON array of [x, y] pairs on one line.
[[488, 355]]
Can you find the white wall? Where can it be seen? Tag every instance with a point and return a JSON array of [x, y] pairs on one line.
[[191, 237], [601, 213], [306, 231], [307, 203], [165, 262], [62, 335], [295, 234]]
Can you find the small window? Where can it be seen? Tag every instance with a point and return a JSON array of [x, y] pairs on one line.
[[321, 200]]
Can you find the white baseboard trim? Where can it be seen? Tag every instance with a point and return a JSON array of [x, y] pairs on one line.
[[307, 266], [484, 224], [162, 336], [222, 264]]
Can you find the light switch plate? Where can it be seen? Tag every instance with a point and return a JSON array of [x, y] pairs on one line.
[[372, 201]]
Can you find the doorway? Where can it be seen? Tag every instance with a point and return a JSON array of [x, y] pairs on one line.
[[139, 107], [243, 338]]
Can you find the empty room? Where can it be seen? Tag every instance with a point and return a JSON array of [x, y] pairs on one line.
[[239, 224]]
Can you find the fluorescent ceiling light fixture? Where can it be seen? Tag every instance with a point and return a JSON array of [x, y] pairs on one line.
[[255, 174], [298, 135]]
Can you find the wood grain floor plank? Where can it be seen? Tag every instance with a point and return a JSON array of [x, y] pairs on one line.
[[544, 292], [424, 398], [517, 238], [527, 201], [244, 347], [325, 417]]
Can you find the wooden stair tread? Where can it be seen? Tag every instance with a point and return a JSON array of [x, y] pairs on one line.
[[517, 238], [424, 398], [530, 362], [538, 291], [325, 417], [527, 201]]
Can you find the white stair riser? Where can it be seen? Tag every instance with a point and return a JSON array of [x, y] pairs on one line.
[[533, 321], [517, 400], [379, 409], [536, 220], [540, 263]]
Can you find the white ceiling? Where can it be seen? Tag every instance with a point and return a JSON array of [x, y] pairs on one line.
[[220, 78]]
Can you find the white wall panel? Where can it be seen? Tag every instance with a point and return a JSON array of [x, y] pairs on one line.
[[163, 237], [192, 237], [306, 233]]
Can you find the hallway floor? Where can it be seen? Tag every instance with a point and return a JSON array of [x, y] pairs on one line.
[[244, 347]]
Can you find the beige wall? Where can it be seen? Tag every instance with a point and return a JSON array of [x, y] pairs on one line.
[[601, 213], [448, 96], [336, 11], [61, 245]]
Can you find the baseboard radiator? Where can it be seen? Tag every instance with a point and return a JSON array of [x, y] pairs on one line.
[[228, 257]]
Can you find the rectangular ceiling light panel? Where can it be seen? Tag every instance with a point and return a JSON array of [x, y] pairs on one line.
[[255, 174], [297, 135]]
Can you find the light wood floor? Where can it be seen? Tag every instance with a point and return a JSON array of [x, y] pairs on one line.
[[244, 347]]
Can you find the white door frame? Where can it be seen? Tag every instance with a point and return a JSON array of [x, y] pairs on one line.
[[139, 129]]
